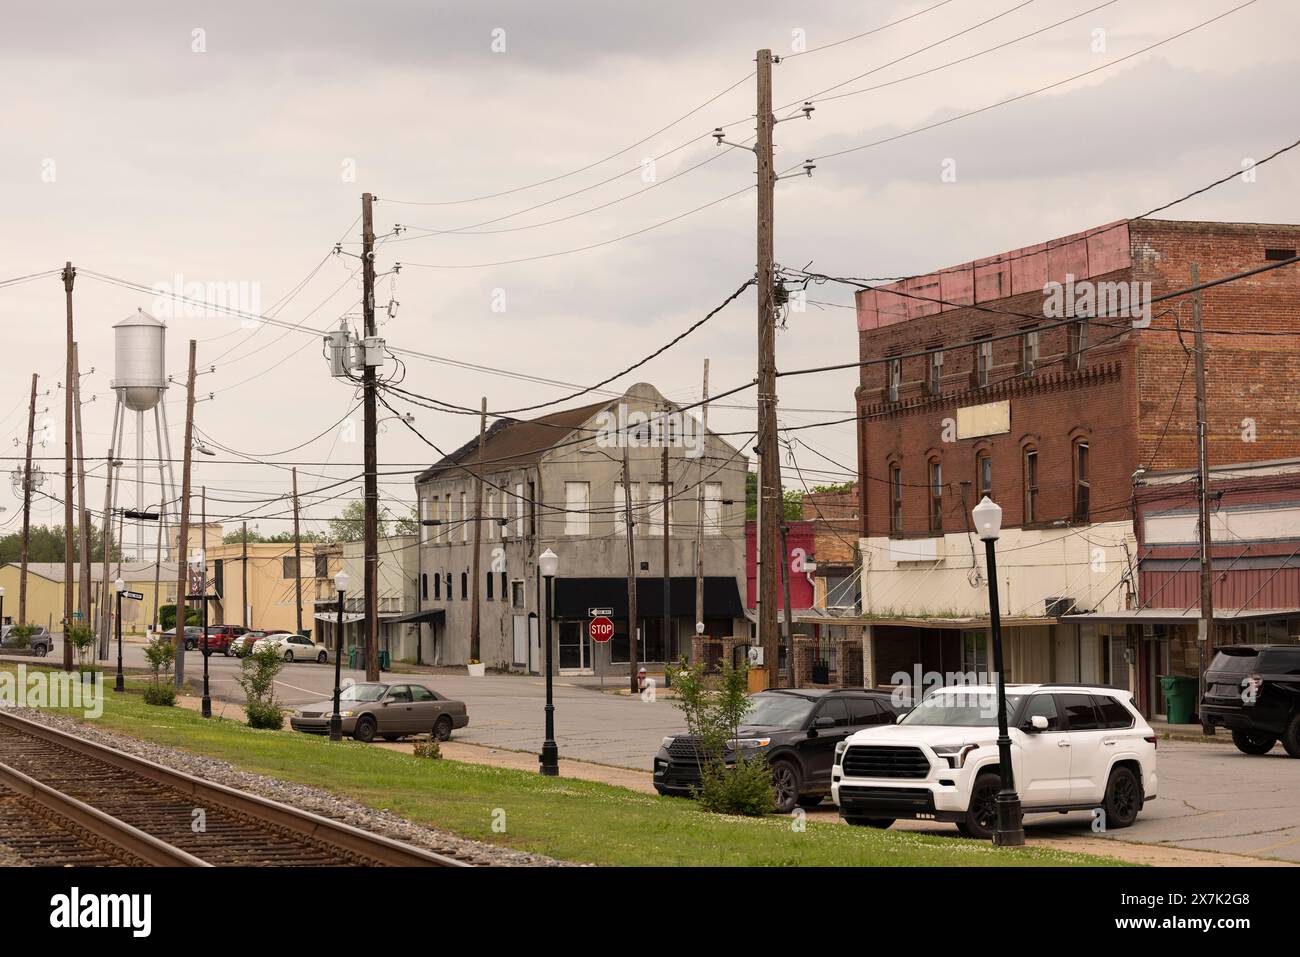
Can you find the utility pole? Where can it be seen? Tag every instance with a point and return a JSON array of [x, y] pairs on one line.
[[668, 527], [371, 630], [83, 516], [631, 567], [785, 593], [699, 506], [1203, 496], [474, 643], [27, 506], [243, 568], [183, 540], [770, 466], [105, 613], [297, 558], [69, 276]]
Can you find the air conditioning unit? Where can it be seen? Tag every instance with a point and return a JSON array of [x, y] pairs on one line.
[[1056, 607]]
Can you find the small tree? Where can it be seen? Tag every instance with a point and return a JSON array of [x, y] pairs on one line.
[[161, 655], [258, 671], [167, 616], [82, 638], [20, 635]]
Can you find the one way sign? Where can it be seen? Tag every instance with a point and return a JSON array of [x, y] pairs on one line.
[[137, 595]]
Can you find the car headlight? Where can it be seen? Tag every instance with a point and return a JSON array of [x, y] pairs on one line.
[[840, 748], [667, 742], [954, 754], [747, 744], [345, 714]]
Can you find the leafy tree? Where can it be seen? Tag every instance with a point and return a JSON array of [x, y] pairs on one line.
[[409, 524], [793, 500], [257, 677], [45, 544], [167, 616], [350, 526]]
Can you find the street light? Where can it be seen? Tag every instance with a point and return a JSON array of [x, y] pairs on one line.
[[120, 684], [2, 605], [1010, 830], [548, 563], [200, 566], [336, 720]]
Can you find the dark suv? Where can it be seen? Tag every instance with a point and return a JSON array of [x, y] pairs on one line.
[[1254, 692], [796, 730]]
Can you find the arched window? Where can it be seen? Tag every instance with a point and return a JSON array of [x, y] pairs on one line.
[[983, 473], [424, 587], [936, 495], [464, 585], [1031, 485], [1082, 482], [437, 586], [896, 498]]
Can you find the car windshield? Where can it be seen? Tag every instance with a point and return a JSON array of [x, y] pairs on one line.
[[363, 693], [778, 710], [970, 709]]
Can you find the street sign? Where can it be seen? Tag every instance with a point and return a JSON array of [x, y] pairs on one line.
[[600, 612], [600, 629], [137, 595]]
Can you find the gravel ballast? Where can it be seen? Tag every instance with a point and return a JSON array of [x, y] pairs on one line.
[[301, 796]]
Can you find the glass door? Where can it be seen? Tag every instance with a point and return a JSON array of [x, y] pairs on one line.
[[575, 646]]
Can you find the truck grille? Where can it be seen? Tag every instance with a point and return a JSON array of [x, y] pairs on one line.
[[883, 761]]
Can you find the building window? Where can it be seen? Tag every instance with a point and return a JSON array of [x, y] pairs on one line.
[[896, 499], [934, 381], [517, 595], [424, 587], [519, 509], [712, 508], [442, 533], [620, 507], [1031, 486], [426, 513], [1077, 340], [489, 513], [464, 586], [975, 654], [289, 567], [489, 587], [322, 562], [437, 586], [464, 525], [655, 508], [984, 473], [577, 519], [895, 378], [1082, 485], [1029, 351], [503, 586], [936, 496], [983, 361]]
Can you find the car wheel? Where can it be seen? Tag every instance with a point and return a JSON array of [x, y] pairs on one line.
[[880, 822], [288, 656], [785, 785], [365, 729], [42, 650], [1253, 742], [1291, 737], [1123, 798], [442, 728], [811, 801], [982, 814], [321, 658]]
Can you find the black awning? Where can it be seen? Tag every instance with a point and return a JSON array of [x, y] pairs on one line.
[[427, 616], [574, 596]]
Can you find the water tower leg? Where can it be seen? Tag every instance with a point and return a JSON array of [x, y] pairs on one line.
[[106, 531], [140, 504]]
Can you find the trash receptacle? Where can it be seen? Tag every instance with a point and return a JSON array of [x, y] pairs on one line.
[[352, 657], [384, 659], [1180, 698]]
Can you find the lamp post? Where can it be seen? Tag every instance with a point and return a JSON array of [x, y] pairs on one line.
[[548, 563], [2, 605], [336, 720], [200, 567], [1009, 831], [120, 684]]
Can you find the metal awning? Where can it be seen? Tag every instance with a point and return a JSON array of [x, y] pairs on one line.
[[573, 596], [427, 616], [1175, 616], [333, 616]]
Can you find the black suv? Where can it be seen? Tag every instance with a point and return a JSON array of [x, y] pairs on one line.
[[1254, 691], [796, 730]]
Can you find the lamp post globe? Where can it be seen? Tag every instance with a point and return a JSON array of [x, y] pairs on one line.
[[548, 563], [341, 582], [1009, 829]]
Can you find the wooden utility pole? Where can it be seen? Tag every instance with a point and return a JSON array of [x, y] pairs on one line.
[[1203, 495], [243, 571], [770, 464], [474, 644], [297, 558], [668, 527], [371, 630], [105, 609], [183, 539], [83, 516], [699, 507], [69, 276], [27, 506], [631, 565], [785, 594]]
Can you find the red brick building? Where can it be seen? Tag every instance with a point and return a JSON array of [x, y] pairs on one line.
[[1004, 377]]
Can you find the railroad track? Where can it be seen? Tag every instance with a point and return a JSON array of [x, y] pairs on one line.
[[65, 800]]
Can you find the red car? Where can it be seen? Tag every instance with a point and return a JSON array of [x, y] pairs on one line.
[[220, 637]]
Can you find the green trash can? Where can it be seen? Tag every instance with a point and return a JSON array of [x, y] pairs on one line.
[[352, 657], [1180, 698], [384, 659]]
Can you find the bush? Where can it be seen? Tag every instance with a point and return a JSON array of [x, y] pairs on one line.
[[744, 787], [20, 636], [264, 714], [160, 694], [82, 637], [427, 746], [167, 616]]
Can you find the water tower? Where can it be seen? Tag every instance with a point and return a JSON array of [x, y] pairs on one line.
[[140, 379]]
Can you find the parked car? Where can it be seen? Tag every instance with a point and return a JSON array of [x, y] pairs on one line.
[[1254, 692], [293, 647], [1073, 748], [193, 635], [220, 638], [387, 710], [797, 731], [39, 641], [243, 644]]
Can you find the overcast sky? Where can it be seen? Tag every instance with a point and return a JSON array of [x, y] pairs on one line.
[[230, 143]]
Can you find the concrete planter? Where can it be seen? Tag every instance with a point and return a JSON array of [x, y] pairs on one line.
[[478, 670]]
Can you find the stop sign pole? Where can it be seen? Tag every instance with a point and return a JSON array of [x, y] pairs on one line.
[[600, 629]]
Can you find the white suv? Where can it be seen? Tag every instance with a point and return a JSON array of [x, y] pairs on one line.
[[1073, 748]]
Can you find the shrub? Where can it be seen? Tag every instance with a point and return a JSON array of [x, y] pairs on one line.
[[427, 746], [20, 636], [167, 616], [160, 653], [744, 787], [82, 638], [162, 694], [264, 714], [258, 671]]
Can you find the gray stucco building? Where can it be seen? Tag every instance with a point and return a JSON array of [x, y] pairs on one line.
[[557, 482]]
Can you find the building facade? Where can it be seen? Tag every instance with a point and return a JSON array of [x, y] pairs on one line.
[[557, 482]]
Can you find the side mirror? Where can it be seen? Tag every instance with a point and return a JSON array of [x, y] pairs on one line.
[[899, 719], [825, 721], [1036, 723]]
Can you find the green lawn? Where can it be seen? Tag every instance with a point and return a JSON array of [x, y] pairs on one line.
[[564, 818]]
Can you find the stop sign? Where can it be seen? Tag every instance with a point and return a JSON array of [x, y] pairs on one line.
[[600, 629]]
